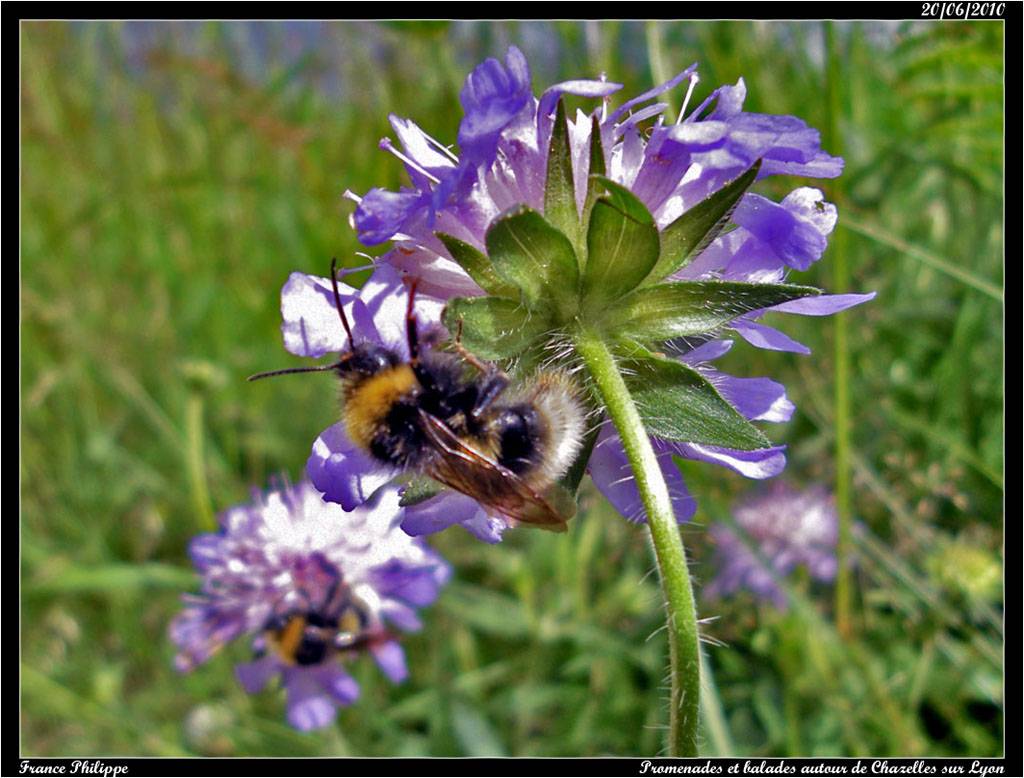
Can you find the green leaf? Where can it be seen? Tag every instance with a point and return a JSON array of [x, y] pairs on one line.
[[475, 733], [682, 308], [678, 403], [691, 233], [559, 190], [530, 254], [624, 200], [477, 264], [494, 327], [622, 245], [486, 611]]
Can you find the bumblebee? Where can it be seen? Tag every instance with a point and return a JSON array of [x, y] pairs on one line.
[[459, 421], [309, 637]]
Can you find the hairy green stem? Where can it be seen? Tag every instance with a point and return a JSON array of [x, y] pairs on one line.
[[684, 646]]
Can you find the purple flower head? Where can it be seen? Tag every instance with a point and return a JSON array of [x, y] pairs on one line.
[[314, 585], [789, 529], [614, 221]]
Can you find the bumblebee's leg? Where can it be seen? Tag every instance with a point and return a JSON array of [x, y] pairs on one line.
[[493, 383], [468, 356], [492, 386]]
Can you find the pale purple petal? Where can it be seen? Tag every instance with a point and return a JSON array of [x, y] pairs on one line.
[[492, 97], [698, 136], [822, 305], [729, 249], [310, 322], [822, 166], [254, 676], [415, 585], [342, 471], [658, 177], [760, 463], [401, 615], [339, 684], [578, 87], [626, 158], [386, 297], [450, 508], [785, 144], [642, 115], [440, 277], [758, 399], [382, 213], [810, 204], [766, 337], [753, 261], [204, 550], [611, 473], [309, 705], [579, 149], [707, 352], [797, 240], [438, 513], [200, 631], [418, 146], [486, 527], [391, 659], [728, 100]]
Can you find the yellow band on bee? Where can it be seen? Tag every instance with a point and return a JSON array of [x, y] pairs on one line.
[[365, 409], [287, 640]]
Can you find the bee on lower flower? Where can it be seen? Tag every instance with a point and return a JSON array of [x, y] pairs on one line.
[[316, 587]]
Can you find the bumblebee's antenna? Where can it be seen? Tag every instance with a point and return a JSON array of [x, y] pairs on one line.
[[288, 370], [411, 330], [344, 323], [337, 301]]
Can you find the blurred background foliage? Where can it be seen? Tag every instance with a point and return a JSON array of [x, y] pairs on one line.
[[174, 174]]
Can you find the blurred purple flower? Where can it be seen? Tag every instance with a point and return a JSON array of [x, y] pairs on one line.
[[789, 529], [670, 166], [291, 555]]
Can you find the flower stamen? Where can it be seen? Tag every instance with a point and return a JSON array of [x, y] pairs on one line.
[[388, 146], [442, 148], [694, 80]]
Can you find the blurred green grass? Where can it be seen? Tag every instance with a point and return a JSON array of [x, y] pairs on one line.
[[169, 188]]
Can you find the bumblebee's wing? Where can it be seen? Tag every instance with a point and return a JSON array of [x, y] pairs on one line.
[[472, 472]]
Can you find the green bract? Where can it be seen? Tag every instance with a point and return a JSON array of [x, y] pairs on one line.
[[564, 275]]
